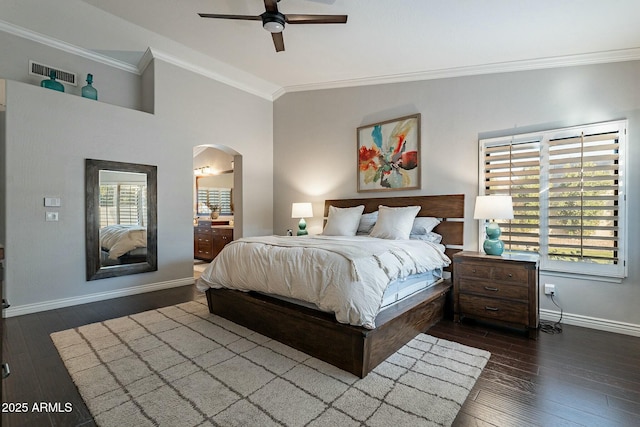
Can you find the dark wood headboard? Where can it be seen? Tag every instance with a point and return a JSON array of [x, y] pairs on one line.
[[448, 207]]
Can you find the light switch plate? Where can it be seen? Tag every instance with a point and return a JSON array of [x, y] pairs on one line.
[[52, 216], [52, 202]]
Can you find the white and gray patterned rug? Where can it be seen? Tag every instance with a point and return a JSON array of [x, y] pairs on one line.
[[182, 366]]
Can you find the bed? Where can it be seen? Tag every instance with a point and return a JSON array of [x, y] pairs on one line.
[[122, 244], [355, 348]]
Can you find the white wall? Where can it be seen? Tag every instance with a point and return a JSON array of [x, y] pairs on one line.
[[315, 151], [211, 113], [49, 134]]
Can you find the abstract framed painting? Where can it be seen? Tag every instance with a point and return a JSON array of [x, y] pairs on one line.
[[389, 155]]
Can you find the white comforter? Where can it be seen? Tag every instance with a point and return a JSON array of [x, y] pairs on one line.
[[120, 239], [344, 275]]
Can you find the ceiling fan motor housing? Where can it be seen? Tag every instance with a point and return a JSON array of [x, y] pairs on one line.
[[273, 22]]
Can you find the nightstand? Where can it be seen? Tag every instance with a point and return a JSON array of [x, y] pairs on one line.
[[500, 289]]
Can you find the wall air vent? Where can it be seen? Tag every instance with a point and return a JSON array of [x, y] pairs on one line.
[[67, 77]]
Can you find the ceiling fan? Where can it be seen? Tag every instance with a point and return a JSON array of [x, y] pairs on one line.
[[273, 21]]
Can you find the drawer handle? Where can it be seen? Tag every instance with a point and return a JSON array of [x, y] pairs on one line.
[[473, 271], [491, 308], [510, 275], [487, 288]]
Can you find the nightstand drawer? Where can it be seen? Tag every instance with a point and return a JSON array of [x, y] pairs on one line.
[[494, 290], [516, 275], [490, 308], [473, 270]]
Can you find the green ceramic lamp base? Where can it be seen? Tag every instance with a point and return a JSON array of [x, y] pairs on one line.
[[493, 245], [302, 228]]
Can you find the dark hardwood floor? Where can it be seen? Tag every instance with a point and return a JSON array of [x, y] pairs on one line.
[[581, 377]]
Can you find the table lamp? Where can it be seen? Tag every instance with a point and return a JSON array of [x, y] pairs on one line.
[[302, 211], [493, 207]]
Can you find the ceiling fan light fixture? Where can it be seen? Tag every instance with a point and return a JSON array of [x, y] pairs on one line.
[[273, 24]]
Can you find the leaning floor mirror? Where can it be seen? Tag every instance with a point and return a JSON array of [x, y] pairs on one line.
[[121, 218]]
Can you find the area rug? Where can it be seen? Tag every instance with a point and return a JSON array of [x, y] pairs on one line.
[[182, 366]]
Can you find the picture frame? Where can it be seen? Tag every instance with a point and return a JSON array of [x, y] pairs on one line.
[[388, 157]]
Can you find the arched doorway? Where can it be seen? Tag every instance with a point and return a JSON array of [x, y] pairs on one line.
[[217, 188]]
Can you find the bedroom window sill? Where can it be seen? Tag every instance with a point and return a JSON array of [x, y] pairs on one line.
[[591, 277]]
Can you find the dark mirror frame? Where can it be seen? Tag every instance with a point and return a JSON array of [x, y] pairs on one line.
[[95, 270]]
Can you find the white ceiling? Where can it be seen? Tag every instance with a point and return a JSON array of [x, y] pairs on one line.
[[391, 40]]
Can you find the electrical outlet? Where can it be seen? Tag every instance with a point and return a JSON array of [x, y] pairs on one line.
[[549, 289]]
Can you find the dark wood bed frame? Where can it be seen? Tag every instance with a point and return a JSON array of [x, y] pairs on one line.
[[355, 349]]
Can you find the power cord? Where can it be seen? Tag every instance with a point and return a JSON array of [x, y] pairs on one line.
[[552, 327]]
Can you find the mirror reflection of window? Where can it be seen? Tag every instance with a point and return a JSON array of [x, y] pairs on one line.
[[123, 198]]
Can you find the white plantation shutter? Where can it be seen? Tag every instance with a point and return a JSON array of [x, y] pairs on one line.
[[124, 204], [585, 197], [108, 206], [214, 196], [568, 194], [512, 167]]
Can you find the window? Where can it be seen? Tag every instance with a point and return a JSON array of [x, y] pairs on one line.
[[568, 195], [220, 197], [124, 204]]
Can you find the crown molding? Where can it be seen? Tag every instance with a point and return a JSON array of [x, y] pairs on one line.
[[66, 47], [144, 62], [621, 55], [206, 72]]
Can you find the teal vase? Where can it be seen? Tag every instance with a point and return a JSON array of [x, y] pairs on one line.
[[51, 82], [89, 91]]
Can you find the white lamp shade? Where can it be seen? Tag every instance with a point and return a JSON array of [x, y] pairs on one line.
[[301, 210], [493, 207]]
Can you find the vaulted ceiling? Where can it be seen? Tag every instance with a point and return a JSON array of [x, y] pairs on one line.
[[383, 40]]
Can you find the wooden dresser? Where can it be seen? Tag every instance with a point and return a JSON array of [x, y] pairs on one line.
[[208, 239], [500, 289]]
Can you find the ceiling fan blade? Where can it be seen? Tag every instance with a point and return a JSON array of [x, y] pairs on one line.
[[271, 5], [293, 18], [243, 17], [278, 41]]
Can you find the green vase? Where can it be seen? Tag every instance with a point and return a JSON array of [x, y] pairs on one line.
[[51, 82], [89, 91]]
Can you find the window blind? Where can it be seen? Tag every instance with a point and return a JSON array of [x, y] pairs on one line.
[[124, 204], [584, 198], [512, 168], [567, 187]]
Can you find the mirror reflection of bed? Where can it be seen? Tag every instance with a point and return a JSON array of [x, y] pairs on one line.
[[123, 218]]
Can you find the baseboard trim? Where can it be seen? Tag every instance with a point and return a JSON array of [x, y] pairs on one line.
[[591, 322], [67, 302]]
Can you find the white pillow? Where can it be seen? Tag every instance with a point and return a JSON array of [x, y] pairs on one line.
[[394, 223], [367, 222], [424, 224], [343, 221]]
